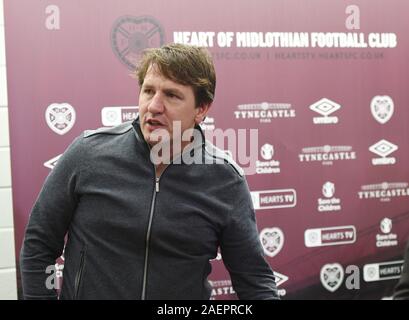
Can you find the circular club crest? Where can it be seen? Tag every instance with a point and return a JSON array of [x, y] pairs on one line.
[[131, 35]]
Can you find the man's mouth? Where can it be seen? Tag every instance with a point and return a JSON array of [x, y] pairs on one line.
[[154, 124]]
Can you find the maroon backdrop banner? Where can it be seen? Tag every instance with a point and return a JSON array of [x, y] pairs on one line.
[[323, 82]]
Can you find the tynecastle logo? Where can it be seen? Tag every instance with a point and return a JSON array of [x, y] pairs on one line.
[[384, 191], [327, 154], [264, 112]]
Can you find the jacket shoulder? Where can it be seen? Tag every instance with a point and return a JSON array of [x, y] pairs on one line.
[[117, 130], [221, 155]]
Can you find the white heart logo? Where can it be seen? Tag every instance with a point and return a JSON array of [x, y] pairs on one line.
[[332, 275], [382, 108], [272, 240], [60, 117]]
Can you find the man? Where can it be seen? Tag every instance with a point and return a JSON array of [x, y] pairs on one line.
[[142, 219]]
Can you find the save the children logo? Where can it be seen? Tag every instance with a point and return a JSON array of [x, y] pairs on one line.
[[267, 165], [386, 238], [329, 203], [60, 117], [386, 225], [267, 151], [130, 36]]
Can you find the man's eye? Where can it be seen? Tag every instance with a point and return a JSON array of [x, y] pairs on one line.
[[148, 91], [173, 96]]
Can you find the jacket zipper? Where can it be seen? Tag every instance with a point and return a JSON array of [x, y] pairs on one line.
[[79, 275], [148, 232], [148, 237]]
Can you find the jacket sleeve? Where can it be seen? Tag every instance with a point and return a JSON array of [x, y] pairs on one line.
[[48, 223], [402, 288], [242, 254]]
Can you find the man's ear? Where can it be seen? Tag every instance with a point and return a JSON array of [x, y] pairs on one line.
[[202, 112]]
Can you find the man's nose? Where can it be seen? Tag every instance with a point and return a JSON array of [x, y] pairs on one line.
[[156, 104]]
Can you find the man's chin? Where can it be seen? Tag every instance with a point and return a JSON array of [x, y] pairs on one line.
[[155, 138], [151, 143]]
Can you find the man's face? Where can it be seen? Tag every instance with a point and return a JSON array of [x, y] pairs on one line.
[[163, 101]]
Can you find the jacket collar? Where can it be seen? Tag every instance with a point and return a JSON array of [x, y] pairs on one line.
[[198, 141]]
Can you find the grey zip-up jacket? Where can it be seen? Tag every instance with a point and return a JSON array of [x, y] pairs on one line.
[[131, 236]]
